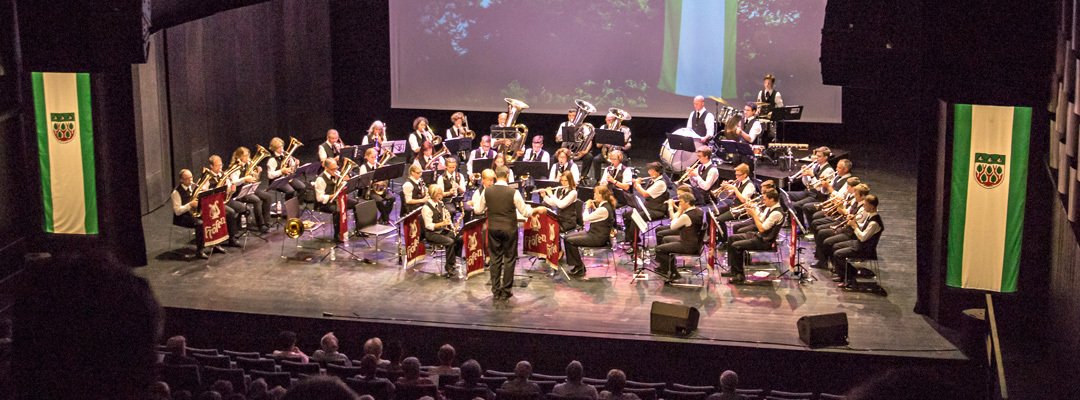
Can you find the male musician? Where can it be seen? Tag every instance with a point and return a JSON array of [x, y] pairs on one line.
[[563, 164], [770, 95], [375, 133], [749, 128], [768, 223], [233, 208], [674, 212], [837, 183], [502, 205], [845, 195], [566, 133], [452, 183], [325, 200], [331, 147], [600, 215], [741, 191], [259, 200], [384, 201], [275, 169], [705, 177], [867, 234], [701, 120], [414, 190], [747, 225], [583, 147], [439, 227], [183, 202], [826, 238], [688, 225], [562, 199], [536, 153], [502, 120], [654, 190], [617, 177], [419, 134], [487, 178], [812, 174], [609, 124], [458, 129], [484, 151]]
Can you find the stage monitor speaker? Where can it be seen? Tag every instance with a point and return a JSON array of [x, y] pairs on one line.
[[823, 330], [673, 318]]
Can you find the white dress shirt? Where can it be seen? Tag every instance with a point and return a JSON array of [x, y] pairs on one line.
[[627, 178], [683, 220], [322, 150], [755, 129], [543, 157], [710, 121], [573, 171], [771, 218], [599, 214], [779, 100], [524, 210], [429, 216], [178, 207], [565, 201], [709, 179], [320, 188], [460, 182], [656, 188], [871, 228]]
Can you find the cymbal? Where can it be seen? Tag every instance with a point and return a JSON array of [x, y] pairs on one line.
[[761, 103], [719, 100]]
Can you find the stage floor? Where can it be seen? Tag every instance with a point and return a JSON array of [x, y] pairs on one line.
[[258, 280]]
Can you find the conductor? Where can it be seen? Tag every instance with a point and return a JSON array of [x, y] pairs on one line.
[[503, 204]]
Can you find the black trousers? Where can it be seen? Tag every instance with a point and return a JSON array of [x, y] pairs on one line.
[[843, 251], [663, 231], [260, 203], [385, 204], [233, 210], [187, 220], [799, 201], [739, 243], [826, 240], [587, 162], [290, 190], [502, 248], [332, 208], [665, 259], [631, 227], [452, 244], [577, 239]]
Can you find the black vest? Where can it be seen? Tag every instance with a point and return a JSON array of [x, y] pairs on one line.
[[567, 215], [185, 197], [436, 213], [768, 97], [617, 176], [655, 205], [448, 183], [746, 126], [479, 153], [502, 214], [770, 235], [692, 234], [698, 124], [330, 150], [560, 169], [838, 182], [603, 227], [703, 171], [280, 159], [419, 142], [418, 192], [740, 188], [329, 184], [868, 248], [534, 156], [454, 134]]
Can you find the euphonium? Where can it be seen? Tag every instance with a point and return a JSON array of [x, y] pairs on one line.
[[293, 144], [294, 228], [513, 111], [235, 166], [203, 180], [260, 154], [343, 177], [435, 158]]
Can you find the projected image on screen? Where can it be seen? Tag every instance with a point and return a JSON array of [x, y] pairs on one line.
[[647, 57]]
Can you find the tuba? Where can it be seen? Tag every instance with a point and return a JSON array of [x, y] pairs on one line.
[[584, 108], [620, 116], [513, 111]]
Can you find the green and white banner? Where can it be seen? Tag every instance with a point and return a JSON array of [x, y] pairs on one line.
[[66, 151], [989, 190]]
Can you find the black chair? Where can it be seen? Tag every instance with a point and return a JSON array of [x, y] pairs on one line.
[[232, 375], [545, 386], [669, 394], [272, 379], [751, 394], [445, 380], [256, 364], [553, 396], [342, 371], [324, 363], [688, 388], [493, 382], [379, 389], [594, 381], [642, 393], [780, 395], [556, 378], [181, 377], [279, 359], [459, 393], [505, 395], [414, 392], [826, 396], [643, 385], [208, 352], [221, 361], [297, 368], [234, 354]]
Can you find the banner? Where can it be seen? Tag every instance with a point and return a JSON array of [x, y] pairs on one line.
[[343, 217], [989, 184], [699, 48], [65, 134], [212, 207], [794, 243], [474, 241], [712, 241], [411, 227], [542, 238]]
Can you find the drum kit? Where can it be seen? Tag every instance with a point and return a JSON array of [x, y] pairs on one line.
[[728, 118]]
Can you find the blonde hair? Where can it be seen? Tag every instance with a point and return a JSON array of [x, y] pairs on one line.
[[276, 142], [240, 152]]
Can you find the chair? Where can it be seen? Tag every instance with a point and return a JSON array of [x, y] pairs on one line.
[[553, 396], [545, 386], [669, 394], [181, 377], [642, 393], [272, 379], [379, 389], [752, 394], [505, 395], [208, 352], [748, 265], [499, 373], [234, 354], [279, 359], [779, 395], [324, 363], [459, 393], [493, 382], [702, 267], [233, 375], [414, 392], [826, 396], [445, 380], [688, 388], [369, 214], [222, 361], [342, 371], [256, 364], [594, 381], [556, 378], [297, 368], [646, 385]]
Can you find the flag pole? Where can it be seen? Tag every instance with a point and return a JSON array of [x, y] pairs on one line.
[[996, 346]]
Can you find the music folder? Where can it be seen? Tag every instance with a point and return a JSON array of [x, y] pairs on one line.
[[246, 190], [680, 142], [389, 172], [479, 164], [311, 168], [733, 147], [349, 152], [787, 113], [607, 136], [535, 169]]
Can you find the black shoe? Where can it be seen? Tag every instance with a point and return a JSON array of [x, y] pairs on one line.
[[739, 279], [728, 274], [232, 243], [202, 254], [837, 279], [219, 249], [577, 271]]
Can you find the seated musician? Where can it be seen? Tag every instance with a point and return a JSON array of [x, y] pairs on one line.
[[416, 139], [738, 193], [375, 133], [331, 147], [617, 177], [654, 190], [414, 191], [259, 200], [484, 151], [502, 120], [536, 153], [838, 182], [836, 231], [377, 192], [663, 231], [688, 226], [275, 169], [609, 124], [439, 229], [184, 202], [487, 178], [768, 224], [565, 135], [704, 178], [811, 175], [427, 160], [500, 161], [562, 199], [453, 184], [563, 164], [823, 218], [600, 215], [747, 225], [233, 208], [867, 234], [325, 186]]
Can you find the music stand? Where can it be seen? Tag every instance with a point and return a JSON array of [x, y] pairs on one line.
[[584, 193], [350, 152], [533, 168], [607, 136], [458, 145], [428, 177], [635, 218], [479, 164], [389, 172], [312, 168], [365, 179], [568, 134], [545, 183], [781, 114], [503, 132], [362, 149], [680, 142], [733, 147]]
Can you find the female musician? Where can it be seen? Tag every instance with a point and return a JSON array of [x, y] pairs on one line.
[[563, 164], [414, 190], [275, 169], [563, 199], [427, 160], [420, 134], [654, 190], [377, 191], [500, 161], [458, 130], [376, 133], [260, 200], [600, 215]]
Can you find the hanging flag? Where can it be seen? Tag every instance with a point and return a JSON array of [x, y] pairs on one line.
[[411, 227], [65, 134], [699, 48], [989, 184], [212, 209]]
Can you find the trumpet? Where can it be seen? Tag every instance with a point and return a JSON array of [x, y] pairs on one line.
[[686, 175], [842, 222], [742, 207], [721, 189], [803, 170]]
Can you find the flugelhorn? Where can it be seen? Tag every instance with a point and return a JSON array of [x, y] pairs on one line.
[[805, 168], [686, 175]]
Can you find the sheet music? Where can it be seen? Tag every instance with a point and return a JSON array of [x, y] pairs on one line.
[[641, 225]]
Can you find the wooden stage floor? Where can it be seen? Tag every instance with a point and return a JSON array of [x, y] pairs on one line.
[[258, 280]]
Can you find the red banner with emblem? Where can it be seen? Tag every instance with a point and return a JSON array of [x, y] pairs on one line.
[[712, 242], [343, 219], [212, 207], [542, 238], [794, 243], [411, 227], [474, 241]]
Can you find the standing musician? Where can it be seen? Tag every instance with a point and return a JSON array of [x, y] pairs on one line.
[[439, 228], [426, 160], [484, 151], [453, 184], [414, 190], [563, 164], [331, 148], [487, 178], [233, 208], [419, 135], [275, 169], [617, 176], [688, 225], [600, 215], [536, 153], [654, 190], [563, 199], [827, 237], [837, 183], [260, 200], [324, 189], [705, 177], [768, 224], [867, 234], [702, 121], [749, 127], [769, 95], [184, 201], [742, 190], [458, 129], [385, 200], [811, 174], [502, 205], [609, 124], [566, 133]]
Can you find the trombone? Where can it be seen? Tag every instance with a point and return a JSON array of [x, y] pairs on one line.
[[686, 175], [468, 132]]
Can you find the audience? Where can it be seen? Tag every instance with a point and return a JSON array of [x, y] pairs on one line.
[[410, 369], [320, 388], [257, 390], [470, 379], [210, 395], [446, 362], [374, 347], [177, 355], [573, 386], [225, 388], [616, 381], [160, 391], [329, 351], [729, 381], [395, 352], [520, 385], [286, 347]]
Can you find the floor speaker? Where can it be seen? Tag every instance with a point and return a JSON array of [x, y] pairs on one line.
[[823, 330], [673, 318]]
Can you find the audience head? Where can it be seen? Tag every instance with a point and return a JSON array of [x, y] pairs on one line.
[[177, 345], [257, 389], [523, 370], [321, 387], [470, 372], [160, 391], [574, 372], [223, 387], [729, 381], [368, 365], [410, 367], [616, 381], [329, 343], [374, 347], [286, 340], [367, 397], [446, 355], [276, 393], [210, 395]]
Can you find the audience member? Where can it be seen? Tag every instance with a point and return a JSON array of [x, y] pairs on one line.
[[210, 395], [286, 347], [520, 384], [160, 391], [236, 396], [729, 381], [177, 355], [367, 397], [394, 352], [616, 381], [319, 388], [223, 387], [277, 393], [446, 362], [368, 368], [181, 395], [410, 369], [470, 379], [374, 347], [573, 387], [257, 390], [329, 351]]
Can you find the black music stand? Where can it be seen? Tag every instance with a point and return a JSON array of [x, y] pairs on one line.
[[350, 152], [362, 149], [350, 186], [636, 219], [607, 136], [389, 172], [428, 177], [584, 193], [503, 132], [736, 148], [480, 164], [533, 168], [680, 142], [312, 168], [781, 114], [458, 145], [568, 135], [365, 179]]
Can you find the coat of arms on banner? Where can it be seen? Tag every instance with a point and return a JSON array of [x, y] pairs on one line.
[[989, 169], [63, 126]]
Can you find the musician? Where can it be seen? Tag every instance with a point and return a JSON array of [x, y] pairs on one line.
[[502, 120], [563, 164], [812, 174], [844, 195], [233, 208], [617, 176], [600, 215], [325, 186], [768, 223], [502, 205], [275, 169], [562, 199], [688, 225], [536, 153], [484, 151], [701, 120], [837, 183], [867, 234], [583, 148], [749, 127], [747, 225], [419, 134], [609, 124], [385, 200], [500, 161], [705, 178], [566, 132], [439, 227], [184, 201], [259, 200], [741, 191], [654, 190], [487, 178], [426, 160], [331, 147], [414, 190], [663, 231], [770, 95], [452, 183], [827, 237], [376, 133], [458, 129]]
